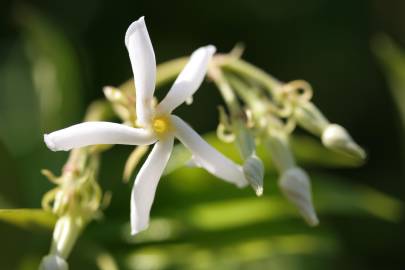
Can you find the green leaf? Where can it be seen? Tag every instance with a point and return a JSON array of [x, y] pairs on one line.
[[392, 59], [28, 218]]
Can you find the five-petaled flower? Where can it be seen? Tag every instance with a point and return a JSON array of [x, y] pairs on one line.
[[156, 125]]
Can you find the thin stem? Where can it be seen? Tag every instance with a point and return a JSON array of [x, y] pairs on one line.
[[225, 89], [246, 69]]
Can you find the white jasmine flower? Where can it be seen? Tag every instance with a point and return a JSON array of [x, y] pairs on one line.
[[157, 125]]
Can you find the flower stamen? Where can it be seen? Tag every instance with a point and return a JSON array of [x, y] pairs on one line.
[[162, 125]]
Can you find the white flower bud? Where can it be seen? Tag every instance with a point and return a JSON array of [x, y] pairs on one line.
[[295, 184], [338, 139], [113, 94], [53, 262], [253, 170]]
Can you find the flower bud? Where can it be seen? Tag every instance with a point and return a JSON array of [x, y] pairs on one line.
[[244, 139], [310, 118], [65, 234], [113, 94], [338, 139], [280, 151], [296, 186], [254, 173], [53, 262]]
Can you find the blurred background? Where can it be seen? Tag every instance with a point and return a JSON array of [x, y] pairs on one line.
[[55, 57]]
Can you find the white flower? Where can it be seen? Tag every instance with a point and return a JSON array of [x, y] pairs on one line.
[[158, 125]]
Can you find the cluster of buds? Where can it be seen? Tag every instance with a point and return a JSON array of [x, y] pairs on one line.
[[76, 199], [266, 111]]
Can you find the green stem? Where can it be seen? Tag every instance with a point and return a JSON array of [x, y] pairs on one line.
[[225, 89], [244, 68]]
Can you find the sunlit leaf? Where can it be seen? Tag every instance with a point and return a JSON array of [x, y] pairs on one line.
[[240, 254], [205, 208], [28, 218]]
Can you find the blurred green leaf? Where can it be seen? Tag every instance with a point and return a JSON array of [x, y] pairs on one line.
[[206, 208], [392, 59], [55, 68], [28, 218], [240, 255]]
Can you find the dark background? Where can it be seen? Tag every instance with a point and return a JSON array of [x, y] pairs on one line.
[[327, 43]]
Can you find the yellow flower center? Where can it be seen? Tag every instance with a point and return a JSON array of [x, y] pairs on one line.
[[161, 125]]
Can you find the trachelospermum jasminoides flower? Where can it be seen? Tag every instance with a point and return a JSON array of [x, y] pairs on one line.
[[156, 125]]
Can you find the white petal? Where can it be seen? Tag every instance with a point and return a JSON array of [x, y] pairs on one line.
[[143, 191], [207, 156], [91, 133], [189, 79], [144, 67]]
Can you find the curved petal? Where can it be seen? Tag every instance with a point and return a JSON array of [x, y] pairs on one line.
[[189, 79], [144, 67], [91, 133], [143, 191], [208, 157]]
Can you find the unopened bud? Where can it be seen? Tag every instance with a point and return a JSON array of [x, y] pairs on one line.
[[53, 262], [244, 139], [113, 94], [120, 103], [280, 151], [338, 139], [310, 118], [296, 186], [254, 172], [65, 234]]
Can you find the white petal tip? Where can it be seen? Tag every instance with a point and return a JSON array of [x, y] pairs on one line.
[[313, 221], [242, 184], [137, 229], [134, 27], [211, 49], [49, 142]]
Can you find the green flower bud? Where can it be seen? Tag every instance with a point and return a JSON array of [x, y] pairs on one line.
[[280, 151], [296, 186], [254, 172], [310, 118], [53, 262]]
